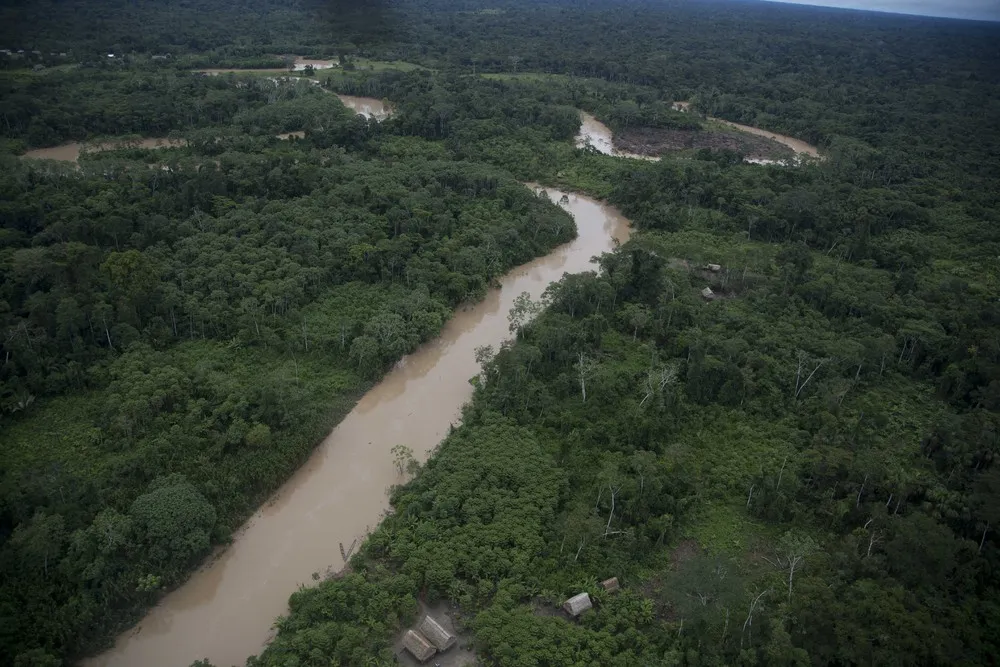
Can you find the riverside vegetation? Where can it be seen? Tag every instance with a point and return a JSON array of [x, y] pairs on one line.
[[801, 471]]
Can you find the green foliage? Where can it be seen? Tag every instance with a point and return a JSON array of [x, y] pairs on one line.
[[172, 521], [175, 339], [345, 620]]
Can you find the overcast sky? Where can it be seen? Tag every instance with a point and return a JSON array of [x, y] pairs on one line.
[[988, 10]]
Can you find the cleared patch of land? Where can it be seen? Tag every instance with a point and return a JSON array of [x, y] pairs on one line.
[[656, 141]]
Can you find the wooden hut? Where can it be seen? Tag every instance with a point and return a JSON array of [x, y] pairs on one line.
[[610, 585], [417, 644], [437, 635], [577, 604]]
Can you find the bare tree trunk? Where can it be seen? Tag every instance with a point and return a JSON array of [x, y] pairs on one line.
[[107, 333], [873, 539], [583, 376], [799, 389], [748, 623], [607, 528], [792, 564]]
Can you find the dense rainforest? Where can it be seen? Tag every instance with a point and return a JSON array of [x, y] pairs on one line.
[[799, 471]]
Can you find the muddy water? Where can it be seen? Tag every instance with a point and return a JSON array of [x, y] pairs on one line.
[[301, 63], [71, 152], [796, 145], [65, 152], [369, 107], [225, 611], [595, 133], [298, 66]]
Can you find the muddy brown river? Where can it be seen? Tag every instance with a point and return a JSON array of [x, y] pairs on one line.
[[369, 107], [225, 610]]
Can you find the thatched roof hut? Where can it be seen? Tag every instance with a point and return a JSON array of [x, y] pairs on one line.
[[577, 604], [610, 585], [437, 635], [417, 644]]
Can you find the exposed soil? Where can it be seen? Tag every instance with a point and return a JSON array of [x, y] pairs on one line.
[[653, 141], [654, 588], [540, 607], [684, 552]]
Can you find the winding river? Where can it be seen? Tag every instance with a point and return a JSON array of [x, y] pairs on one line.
[[225, 610]]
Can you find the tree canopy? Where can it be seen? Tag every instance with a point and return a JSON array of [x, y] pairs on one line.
[[797, 470]]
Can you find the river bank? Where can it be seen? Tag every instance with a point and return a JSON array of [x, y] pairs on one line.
[[759, 146]]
